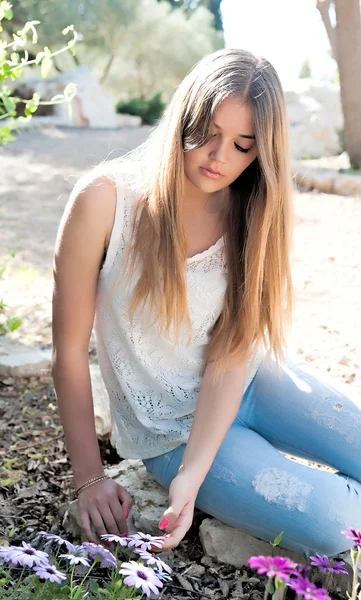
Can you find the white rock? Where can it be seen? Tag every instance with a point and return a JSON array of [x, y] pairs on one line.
[[234, 547], [347, 185], [315, 118], [91, 107], [27, 363], [326, 180], [124, 120], [103, 421]]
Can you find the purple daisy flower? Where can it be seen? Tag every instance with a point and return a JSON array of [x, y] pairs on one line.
[[273, 565], [303, 586], [49, 572], [140, 576], [4, 551], [121, 540], [302, 570], [94, 550], [58, 540], [145, 541], [26, 556], [153, 559], [324, 564], [76, 557], [354, 535]]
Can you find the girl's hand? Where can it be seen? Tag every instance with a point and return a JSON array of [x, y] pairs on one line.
[[182, 497], [104, 508]]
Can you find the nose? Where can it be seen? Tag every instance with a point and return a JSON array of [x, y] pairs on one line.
[[218, 152]]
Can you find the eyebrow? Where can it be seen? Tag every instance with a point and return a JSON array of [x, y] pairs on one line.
[[243, 135]]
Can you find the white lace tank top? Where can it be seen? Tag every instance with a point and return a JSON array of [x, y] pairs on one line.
[[153, 383]]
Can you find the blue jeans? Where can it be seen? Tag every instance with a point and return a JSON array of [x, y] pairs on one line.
[[255, 488]]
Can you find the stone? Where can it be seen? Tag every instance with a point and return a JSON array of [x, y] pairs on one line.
[[347, 185], [234, 547], [327, 181], [102, 417], [150, 499], [27, 363], [91, 106], [315, 118], [125, 120]]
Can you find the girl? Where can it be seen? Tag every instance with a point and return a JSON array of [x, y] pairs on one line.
[[181, 250]]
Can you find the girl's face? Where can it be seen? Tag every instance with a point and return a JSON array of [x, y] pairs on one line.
[[230, 148]]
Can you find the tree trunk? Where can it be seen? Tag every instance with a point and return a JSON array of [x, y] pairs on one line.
[[348, 32], [107, 68], [324, 7]]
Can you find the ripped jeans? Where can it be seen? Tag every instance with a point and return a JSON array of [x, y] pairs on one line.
[[253, 487]]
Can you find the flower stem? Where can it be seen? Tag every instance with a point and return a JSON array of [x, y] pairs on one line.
[[84, 578], [355, 574], [19, 581], [267, 588]]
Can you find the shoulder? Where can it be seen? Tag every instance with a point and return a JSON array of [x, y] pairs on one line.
[[93, 199]]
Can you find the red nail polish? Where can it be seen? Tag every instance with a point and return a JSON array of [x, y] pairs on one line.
[[163, 524], [126, 514]]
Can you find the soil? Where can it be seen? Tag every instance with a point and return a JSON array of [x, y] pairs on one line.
[[38, 171]]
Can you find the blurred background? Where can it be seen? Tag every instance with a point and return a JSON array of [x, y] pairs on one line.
[[128, 59], [116, 63]]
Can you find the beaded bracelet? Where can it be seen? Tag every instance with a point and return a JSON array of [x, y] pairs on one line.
[[89, 483]]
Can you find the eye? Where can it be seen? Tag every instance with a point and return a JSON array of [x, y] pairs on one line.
[[240, 149]]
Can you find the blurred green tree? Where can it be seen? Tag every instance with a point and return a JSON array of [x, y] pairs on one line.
[[214, 6], [305, 72]]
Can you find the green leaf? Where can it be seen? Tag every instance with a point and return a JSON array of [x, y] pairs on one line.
[[70, 91], [94, 587], [39, 57], [67, 29], [272, 589], [9, 103], [13, 323], [46, 65], [11, 252], [70, 111], [57, 98], [277, 539]]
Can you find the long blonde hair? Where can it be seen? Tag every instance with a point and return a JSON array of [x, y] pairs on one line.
[[258, 303]]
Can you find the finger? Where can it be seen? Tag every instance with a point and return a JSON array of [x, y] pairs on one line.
[[126, 500], [85, 523], [97, 522], [118, 515], [174, 538], [108, 519]]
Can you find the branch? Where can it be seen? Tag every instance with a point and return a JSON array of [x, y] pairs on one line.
[[323, 6]]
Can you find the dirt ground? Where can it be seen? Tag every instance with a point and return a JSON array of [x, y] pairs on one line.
[[38, 171]]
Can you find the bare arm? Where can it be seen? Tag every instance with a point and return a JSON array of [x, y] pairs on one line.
[[81, 240], [78, 253], [216, 410]]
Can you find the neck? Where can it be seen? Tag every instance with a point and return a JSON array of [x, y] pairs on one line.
[[198, 201]]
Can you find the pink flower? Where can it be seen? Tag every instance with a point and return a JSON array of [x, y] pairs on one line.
[[303, 586], [354, 535], [273, 565]]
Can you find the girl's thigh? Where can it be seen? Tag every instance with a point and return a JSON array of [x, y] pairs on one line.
[[305, 413], [253, 487]]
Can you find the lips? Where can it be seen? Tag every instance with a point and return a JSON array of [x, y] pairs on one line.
[[212, 171]]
